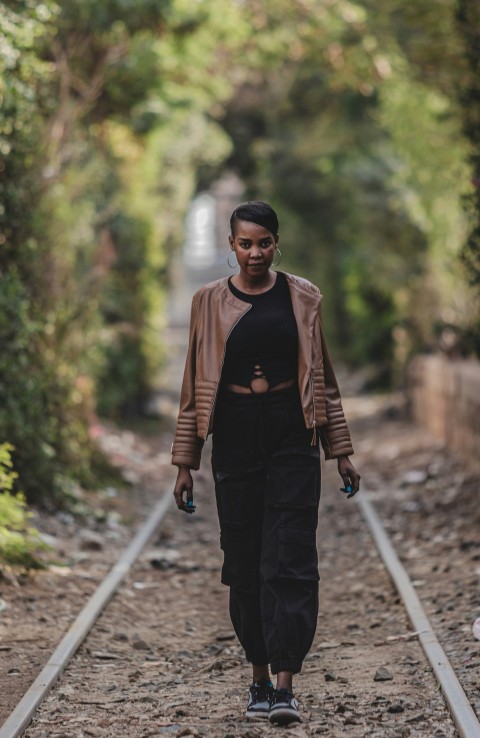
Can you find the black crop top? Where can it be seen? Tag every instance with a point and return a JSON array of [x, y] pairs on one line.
[[265, 336]]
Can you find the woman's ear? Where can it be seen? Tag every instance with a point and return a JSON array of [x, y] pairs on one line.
[[231, 242]]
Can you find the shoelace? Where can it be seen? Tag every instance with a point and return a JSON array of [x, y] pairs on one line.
[[261, 690], [281, 695]]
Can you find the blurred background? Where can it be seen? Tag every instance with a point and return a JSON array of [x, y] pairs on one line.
[[129, 129]]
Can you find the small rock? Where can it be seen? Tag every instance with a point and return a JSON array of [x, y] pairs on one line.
[[415, 476], [476, 629], [91, 541], [396, 708], [164, 559], [329, 677], [215, 649], [140, 645], [382, 675], [328, 644], [182, 655], [379, 698], [104, 655]]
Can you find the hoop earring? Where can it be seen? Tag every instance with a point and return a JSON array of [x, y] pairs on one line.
[[232, 266], [279, 256]]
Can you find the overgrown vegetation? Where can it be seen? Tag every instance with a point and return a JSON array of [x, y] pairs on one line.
[[20, 543], [346, 115], [101, 135], [355, 132]]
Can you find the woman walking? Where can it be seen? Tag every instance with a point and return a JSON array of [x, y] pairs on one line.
[[259, 378]]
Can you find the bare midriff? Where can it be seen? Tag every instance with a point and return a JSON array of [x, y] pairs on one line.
[[259, 384]]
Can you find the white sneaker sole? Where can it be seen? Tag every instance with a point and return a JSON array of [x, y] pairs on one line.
[[283, 716], [257, 714]]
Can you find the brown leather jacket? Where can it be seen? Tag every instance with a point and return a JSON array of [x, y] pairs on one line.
[[215, 312]]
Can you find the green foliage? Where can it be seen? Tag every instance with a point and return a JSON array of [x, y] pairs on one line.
[[468, 17], [343, 114], [23, 76], [102, 129], [349, 123], [39, 400], [20, 543]]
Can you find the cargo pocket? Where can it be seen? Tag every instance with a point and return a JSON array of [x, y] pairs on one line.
[[240, 568], [297, 554], [294, 478]]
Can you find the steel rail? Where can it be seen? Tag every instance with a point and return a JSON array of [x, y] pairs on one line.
[[460, 708], [21, 716]]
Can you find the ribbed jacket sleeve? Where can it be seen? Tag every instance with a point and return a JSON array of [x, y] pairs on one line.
[[187, 446], [334, 436]]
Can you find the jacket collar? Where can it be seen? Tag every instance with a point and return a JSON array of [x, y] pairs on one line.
[[297, 285], [303, 287]]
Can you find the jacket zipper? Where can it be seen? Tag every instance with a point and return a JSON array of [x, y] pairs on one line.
[[314, 436], [221, 367]]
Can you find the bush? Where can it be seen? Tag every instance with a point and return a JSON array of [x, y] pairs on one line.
[[41, 415], [20, 543]]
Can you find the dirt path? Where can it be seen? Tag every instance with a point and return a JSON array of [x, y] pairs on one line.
[[163, 659], [428, 501]]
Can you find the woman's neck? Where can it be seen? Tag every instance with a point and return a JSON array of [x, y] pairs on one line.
[[254, 285]]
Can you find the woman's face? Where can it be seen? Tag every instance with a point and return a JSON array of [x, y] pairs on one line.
[[254, 247]]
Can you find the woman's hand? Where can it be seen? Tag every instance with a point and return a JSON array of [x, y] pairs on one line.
[[183, 484], [350, 476]]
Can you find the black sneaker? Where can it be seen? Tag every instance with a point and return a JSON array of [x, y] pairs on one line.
[[283, 708], [259, 699]]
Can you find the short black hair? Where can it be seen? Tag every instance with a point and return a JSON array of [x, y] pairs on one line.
[[256, 211]]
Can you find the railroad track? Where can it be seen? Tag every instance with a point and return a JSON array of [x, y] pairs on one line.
[[456, 699], [461, 712]]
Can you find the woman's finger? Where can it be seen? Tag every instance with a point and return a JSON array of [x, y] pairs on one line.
[[187, 506], [178, 494]]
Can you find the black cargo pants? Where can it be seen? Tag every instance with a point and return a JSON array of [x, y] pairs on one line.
[[267, 483]]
